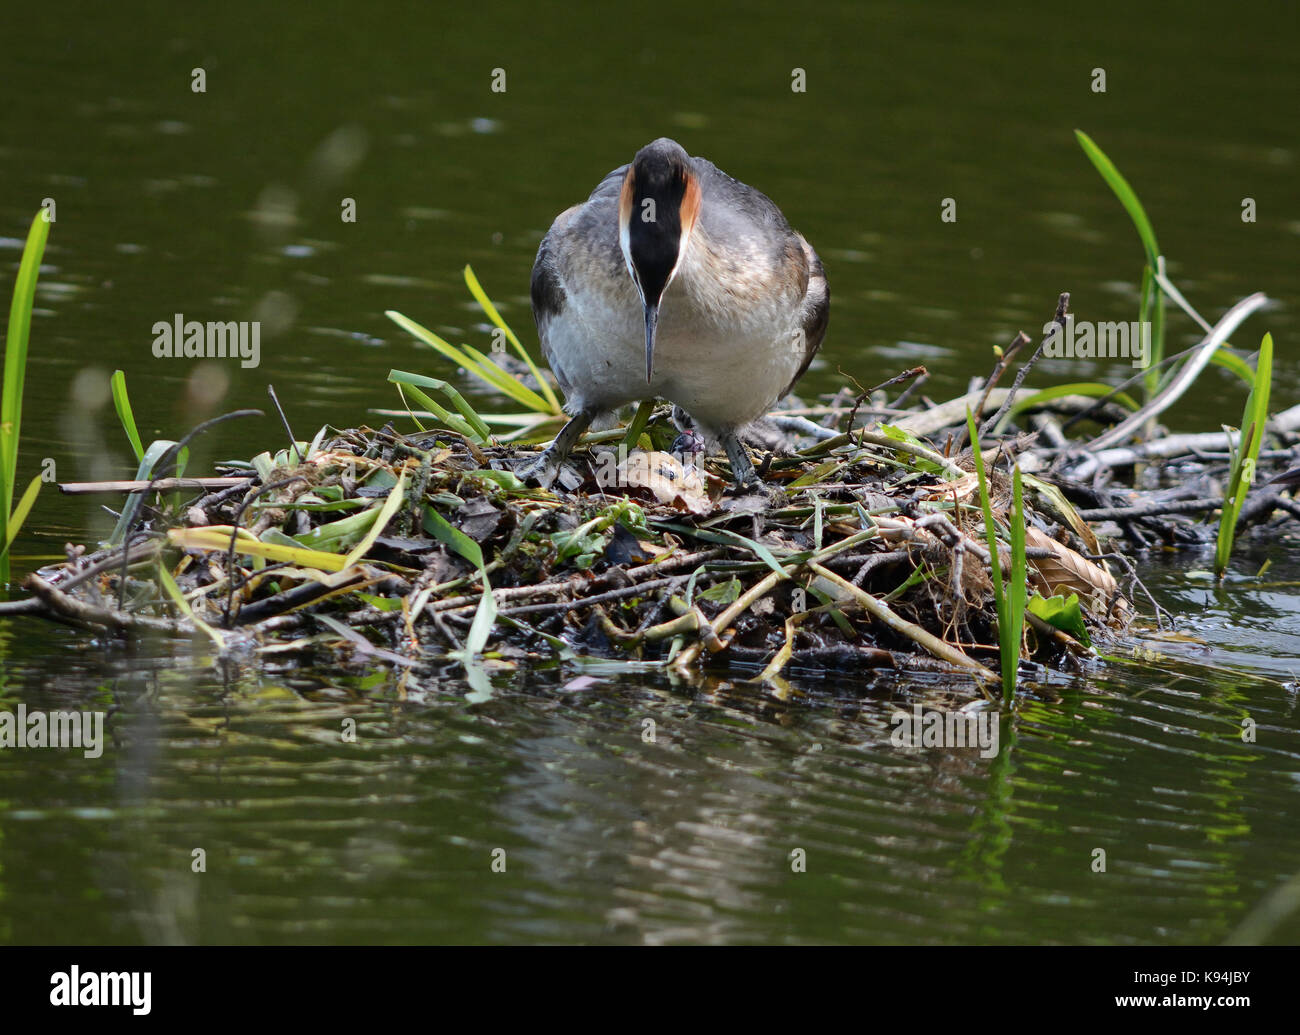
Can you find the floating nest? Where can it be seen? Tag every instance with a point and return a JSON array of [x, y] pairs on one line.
[[868, 547], [864, 551]]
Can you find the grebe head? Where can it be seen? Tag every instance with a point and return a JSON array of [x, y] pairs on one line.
[[657, 210]]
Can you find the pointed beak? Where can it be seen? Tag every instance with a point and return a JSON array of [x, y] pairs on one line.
[[651, 323]]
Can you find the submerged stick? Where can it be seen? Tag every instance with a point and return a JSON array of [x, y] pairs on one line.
[[63, 605], [877, 609]]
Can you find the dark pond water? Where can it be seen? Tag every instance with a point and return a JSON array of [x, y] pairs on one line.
[[226, 205]]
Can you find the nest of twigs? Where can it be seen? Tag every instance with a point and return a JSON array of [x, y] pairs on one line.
[[867, 548], [858, 554]]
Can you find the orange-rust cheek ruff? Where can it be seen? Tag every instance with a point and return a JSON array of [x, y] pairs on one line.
[[690, 205]]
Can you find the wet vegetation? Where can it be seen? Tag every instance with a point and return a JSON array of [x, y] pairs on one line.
[[890, 535]]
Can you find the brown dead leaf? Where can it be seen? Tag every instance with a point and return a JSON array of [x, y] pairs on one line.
[[1067, 571], [964, 487]]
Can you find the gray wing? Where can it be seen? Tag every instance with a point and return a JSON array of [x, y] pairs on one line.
[[585, 234], [547, 285], [815, 314]]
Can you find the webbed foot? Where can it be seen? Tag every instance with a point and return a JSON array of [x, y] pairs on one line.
[[543, 470]]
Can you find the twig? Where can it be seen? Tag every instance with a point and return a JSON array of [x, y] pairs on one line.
[[1004, 360], [897, 405], [861, 436], [1134, 580], [1181, 381], [1176, 445], [293, 442], [87, 614], [1062, 308], [881, 611], [864, 393], [1151, 510], [157, 485], [600, 598], [801, 426], [953, 412]]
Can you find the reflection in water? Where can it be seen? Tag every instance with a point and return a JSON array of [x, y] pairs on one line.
[[745, 819]]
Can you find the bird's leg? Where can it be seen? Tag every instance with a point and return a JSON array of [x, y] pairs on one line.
[[682, 420], [544, 469], [742, 471]]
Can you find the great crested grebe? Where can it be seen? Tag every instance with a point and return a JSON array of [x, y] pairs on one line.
[[675, 281]]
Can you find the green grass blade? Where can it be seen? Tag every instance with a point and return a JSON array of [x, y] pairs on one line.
[[1152, 376], [639, 421], [1158, 325], [1231, 361], [315, 445], [122, 403], [445, 415], [487, 372], [442, 413], [1242, 473], [174, 591], [143, 473], [390, 507], [484, 618], [409, 411], [217, 539], [1008, 630], [1258, 402], [427, 336], [417, 381], [986, 503], [20, 513], [486, 614], [15, 374], [445, 532], [1124, 192], [1152, 307], [16, 342], [1234, 492], [758, 549], [481, 297], [1092, 389], [340, 535], [507, 382]]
